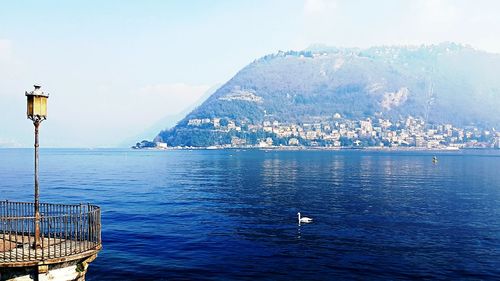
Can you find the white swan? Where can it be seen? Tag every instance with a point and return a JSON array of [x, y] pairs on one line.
[[304, 219]]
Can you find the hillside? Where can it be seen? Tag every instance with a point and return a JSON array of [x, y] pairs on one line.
[[445, 83]]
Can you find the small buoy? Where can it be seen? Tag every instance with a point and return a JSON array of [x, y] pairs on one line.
[[434, 159]]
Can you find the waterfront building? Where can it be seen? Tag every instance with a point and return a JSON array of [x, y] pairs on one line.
[[293, 141]]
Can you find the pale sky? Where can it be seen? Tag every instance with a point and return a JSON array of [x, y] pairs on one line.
[[114, 68]]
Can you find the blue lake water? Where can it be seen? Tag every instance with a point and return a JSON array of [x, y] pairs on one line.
[[231, 215]]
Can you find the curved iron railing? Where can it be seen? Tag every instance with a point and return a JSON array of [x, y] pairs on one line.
[[65, 230]]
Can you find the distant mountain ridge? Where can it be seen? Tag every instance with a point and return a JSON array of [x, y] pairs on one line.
[[445, 83], [167, 121]]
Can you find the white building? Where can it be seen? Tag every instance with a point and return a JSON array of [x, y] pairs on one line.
[[293, 141]]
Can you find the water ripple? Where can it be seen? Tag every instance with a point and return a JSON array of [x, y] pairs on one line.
[[216, 215]]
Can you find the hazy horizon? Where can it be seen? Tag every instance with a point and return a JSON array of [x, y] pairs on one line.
[[113, 69]]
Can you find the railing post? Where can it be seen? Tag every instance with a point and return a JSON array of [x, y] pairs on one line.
[[89, 227], [3, 236]]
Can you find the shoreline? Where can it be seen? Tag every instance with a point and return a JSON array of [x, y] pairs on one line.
[[304, 148]]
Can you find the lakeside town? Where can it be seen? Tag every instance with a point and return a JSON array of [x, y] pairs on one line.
[[338, 132]]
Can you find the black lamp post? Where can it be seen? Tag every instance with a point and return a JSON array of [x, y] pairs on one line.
[[37, 112]]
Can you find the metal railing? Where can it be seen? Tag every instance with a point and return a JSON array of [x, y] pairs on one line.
[[65, 230]]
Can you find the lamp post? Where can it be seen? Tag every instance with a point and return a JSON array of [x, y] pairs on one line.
[[37, 112]]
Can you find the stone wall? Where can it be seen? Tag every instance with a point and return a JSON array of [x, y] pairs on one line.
[[66, 271]]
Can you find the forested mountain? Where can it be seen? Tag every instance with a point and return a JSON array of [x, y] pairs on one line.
[[445, 83]]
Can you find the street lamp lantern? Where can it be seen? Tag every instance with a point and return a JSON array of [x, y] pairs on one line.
[[37, 112], [37, 104]]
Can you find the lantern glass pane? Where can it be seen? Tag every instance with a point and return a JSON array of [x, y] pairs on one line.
[[30, 106], [43, 106], [36, 106]]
